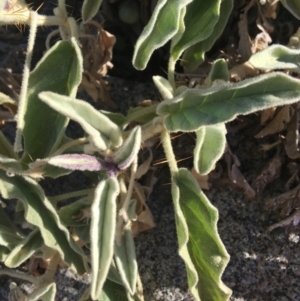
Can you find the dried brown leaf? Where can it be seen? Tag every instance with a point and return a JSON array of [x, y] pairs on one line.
[[287, 201], [269, 9], [292, 137], [242, 71], [145, 219], [234, 173], [245, 42], [144, 167], [97, 47], [293, 219], [278, 124], [203, 180], [262, 39], [270, 172], [267, 115]]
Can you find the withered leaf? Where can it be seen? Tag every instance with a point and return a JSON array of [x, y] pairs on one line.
[[270, 172], [293, 219], [278, 123], [203, 180], [242, 71], [287, 201], [267, 115], [145, 219], [292, 137], [234, 173]]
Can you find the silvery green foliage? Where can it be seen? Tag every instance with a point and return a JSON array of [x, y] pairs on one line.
[[101, 216]]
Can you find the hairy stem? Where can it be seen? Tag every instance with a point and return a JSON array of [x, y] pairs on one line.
[[23, 94], [142, 112], [171, 72], [69, 144], [55, 199], [167, 145]]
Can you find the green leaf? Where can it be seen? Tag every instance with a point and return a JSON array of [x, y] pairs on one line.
[[40, 213], [58, 71], [67, 213], [210, 146], [163, 25], [164, 87], [219, 71], [125, 260], [103, 225], [129, 150], [277, 57], [6, 148], [90, 9], [293, 6], [101, 129], [199, 22], [111, 292], [205, 247], [24, 249], [10, 235], [45, 293], [4, 251], [194, 55], [7, 163], [197, 107]]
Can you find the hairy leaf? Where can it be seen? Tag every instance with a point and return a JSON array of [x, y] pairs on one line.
[[199, 22], [196, 107], [163, 25], [6, 148], [103, 225], [10, 235], [125, 259], [277, 57], [40, 213], [164, 87], [219, 71], [210, 146], [129, 150], [194, 55], [205, 248], [44, 293], [77, 209], [58, 71], [100, 128], [24, 249], [4, 251], [90, 9], [293, 6], [77, 162]]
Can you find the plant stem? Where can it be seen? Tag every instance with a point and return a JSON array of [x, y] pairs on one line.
[[152, 128], [23, 94], [55, 199], [167, 145], [69, 144], [171, 72], [20, 275], [142, 112]]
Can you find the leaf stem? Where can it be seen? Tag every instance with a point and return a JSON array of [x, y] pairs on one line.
[[171, 72], [167, 145], [69, 144], [55, 199], [20, 275], [142, 112]]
